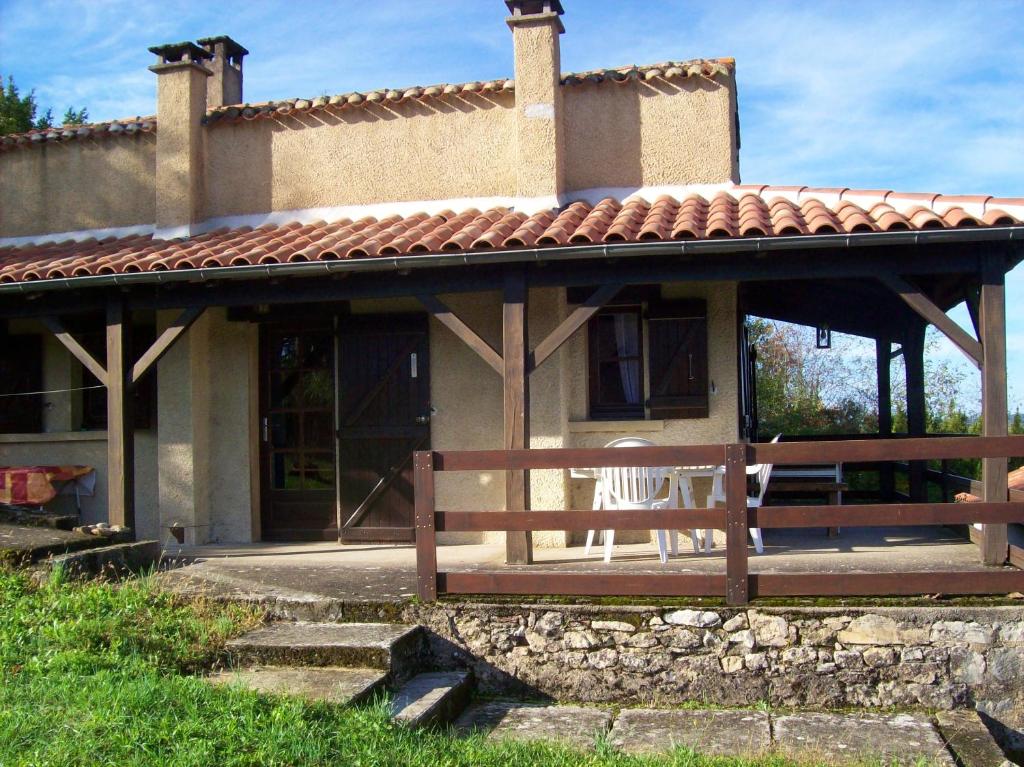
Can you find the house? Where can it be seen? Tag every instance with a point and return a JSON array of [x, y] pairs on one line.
[[248, 316]]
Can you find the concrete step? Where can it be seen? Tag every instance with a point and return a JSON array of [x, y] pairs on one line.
[[333, 685], [432, 698], [393, 648]]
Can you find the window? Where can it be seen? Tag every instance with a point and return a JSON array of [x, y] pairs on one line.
[[21, 370], [616, 364], [676, 357]]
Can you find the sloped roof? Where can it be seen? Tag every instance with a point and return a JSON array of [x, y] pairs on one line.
[[746, 211]]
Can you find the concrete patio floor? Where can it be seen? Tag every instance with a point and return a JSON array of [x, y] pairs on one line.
[[375, 573]]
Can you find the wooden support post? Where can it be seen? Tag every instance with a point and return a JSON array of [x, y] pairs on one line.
[[913, 358], [883, 363], [120, 423], [518, 545], [426, 543], [993, 399], [736, 532]]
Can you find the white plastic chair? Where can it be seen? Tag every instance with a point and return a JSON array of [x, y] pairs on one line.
[[636, 487], [764, 473]]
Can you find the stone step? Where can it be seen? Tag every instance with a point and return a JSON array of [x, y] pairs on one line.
[[432, 698], [332, 685], [393, 648]]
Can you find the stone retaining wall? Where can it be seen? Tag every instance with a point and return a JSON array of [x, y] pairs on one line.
[[934, 658]]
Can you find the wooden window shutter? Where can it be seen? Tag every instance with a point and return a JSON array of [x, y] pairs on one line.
[[678, 353]]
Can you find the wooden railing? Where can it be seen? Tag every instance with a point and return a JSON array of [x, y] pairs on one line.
[[738, 585]]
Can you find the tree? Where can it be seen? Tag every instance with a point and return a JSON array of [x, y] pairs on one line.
[[18, 113]]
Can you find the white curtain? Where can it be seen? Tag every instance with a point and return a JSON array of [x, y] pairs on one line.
[[627, 345]]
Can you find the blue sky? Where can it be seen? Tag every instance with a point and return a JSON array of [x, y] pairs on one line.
[[914, 96]]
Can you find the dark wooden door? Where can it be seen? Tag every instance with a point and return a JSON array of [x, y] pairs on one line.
[[383, 416], [297, 423]]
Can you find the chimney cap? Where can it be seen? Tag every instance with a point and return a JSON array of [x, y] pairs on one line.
[[172, 53], [232, 48], [532, 7]]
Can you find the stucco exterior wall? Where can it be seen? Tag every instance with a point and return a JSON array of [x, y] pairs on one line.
[[432, 149], [648, 133], [81, 184]]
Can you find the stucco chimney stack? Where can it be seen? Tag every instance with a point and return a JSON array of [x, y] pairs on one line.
[[225, 87], [536, 26], [180, 108]]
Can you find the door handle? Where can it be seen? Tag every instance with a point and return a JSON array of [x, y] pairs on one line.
[[423, 419], [265, 428]]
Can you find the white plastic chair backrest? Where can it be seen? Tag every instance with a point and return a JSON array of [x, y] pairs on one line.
[[630, 487], [764, 473]]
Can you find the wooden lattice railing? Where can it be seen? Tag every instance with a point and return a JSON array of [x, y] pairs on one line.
[[737, 584]]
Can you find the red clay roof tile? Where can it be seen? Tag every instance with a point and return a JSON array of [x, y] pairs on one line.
[[740, 211]]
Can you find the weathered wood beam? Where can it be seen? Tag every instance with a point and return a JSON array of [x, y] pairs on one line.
[[994, 413], [572, 323], [454, 323], [120, 426], [913, 358], [515, 337], [163, 344], [883, 362], [923, 305], [77, 350]]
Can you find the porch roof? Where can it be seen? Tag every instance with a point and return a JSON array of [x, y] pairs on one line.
[[739, 212]]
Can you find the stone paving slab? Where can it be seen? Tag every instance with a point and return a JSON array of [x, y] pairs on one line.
[[432, 698], [903, 739], [716, 733], [572, 725], [333, 685], [970, 739]]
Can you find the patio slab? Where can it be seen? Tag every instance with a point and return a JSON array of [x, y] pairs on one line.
[[23, 544], [375, 574]]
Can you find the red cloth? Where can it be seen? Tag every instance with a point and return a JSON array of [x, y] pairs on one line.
[[33, 485]]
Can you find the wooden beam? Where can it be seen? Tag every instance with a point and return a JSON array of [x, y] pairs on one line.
[[77, 350], [518, 545], [913, 358], [450, 320], [736, 532], [994, 413], [923, 305], [163, 344], [572, 323], [883, 363], [120, 426]]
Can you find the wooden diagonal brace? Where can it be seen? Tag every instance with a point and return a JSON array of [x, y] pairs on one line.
[[163, 344], [572, 323], [77, 350], [448, 318], [923, 305]]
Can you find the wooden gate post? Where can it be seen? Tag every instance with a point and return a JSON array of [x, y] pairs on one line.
[[994, 413], [120, 421], [736, 532], [515, 340], [426, 543]]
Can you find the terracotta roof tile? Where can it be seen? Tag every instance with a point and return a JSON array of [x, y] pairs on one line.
[[740, 211]]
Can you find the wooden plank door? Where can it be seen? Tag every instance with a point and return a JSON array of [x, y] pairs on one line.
[[299, 500], [383, 416]]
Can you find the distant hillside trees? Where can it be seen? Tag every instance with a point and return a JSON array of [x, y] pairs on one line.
[[19, 113]]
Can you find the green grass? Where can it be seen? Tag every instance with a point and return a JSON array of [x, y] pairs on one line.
[[96, 674]]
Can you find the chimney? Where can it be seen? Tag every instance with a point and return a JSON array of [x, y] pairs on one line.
[[225, 88], [180, 108], [535, 26]]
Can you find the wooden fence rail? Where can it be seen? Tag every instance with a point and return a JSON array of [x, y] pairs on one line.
[[737, 584]]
